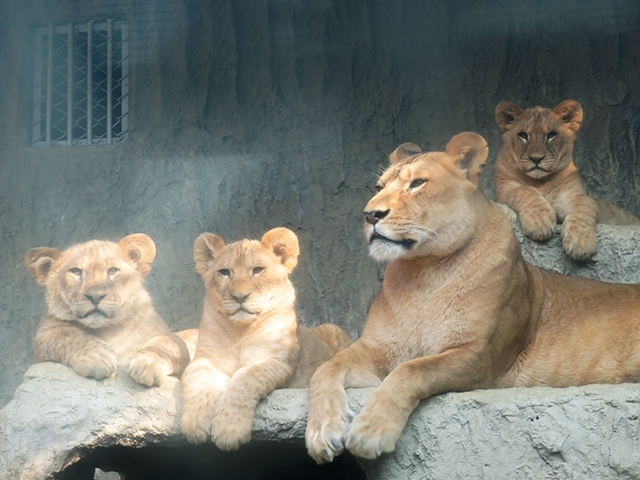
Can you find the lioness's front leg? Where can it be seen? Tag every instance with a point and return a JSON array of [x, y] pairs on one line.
[[234, 411], [202, 385], [328, 408], [579, 237], [537, 216], [378, 426]]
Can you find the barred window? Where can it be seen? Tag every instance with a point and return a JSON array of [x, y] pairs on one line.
[[81, 82]]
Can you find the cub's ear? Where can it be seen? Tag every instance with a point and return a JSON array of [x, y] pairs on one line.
[[507, 113], [469, 152], [140, 249], [570, 112], [206, 249], [284, 243], [39, 262], [403, 151]]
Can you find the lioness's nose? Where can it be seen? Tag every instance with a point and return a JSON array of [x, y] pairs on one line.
[[537, 157], [240, 298], [95, 297], [375, 215]]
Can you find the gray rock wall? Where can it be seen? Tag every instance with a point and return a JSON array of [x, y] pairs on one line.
[[246, 115]]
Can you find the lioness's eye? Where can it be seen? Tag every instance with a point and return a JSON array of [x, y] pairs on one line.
[[523, 136], [75, 271], [257, 270], [377, 188], [551, 136], [416, 183], [225, 272], [112, 272]]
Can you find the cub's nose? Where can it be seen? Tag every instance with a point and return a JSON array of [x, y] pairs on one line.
[[374, 216], [537, 157], [95, 297], [240, 298]]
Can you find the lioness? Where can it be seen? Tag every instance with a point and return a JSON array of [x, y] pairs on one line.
[[99, 313], [535, 175], [250, 342], [459, 309]]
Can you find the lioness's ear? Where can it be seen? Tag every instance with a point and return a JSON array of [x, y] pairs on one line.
[[403, 151], [39, 262], [469, 151], [571, 113], [206, 249], [140, 249], [507, 114], [284, 243]]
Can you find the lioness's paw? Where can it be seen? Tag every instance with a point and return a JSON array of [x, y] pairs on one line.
[[372, 434], [100, 363], [195, 424], [147, 368], [538, 223], [579, 240], [324, 439]]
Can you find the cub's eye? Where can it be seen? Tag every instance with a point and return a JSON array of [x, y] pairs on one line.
[[113, 272], [417, 182], [76, 272], [377, 188], [523, 136], [224, 272], [257, 271], [551, 136]]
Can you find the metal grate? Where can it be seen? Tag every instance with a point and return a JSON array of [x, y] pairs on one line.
[[81, 75]]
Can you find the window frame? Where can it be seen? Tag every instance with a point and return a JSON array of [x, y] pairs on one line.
[[41, 134]]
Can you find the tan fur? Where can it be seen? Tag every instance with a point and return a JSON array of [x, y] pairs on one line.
[[459, 309], [551, 192], [250, 342], [100, 315]]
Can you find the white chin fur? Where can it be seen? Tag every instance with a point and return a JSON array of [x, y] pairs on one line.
[[385, 251], [242, 316], [95, 321]]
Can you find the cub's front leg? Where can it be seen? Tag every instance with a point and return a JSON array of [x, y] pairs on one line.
[[234, 411], [329, 412], [537, 215], [202, 385], [162, 355], [579, 237], [90, 356]]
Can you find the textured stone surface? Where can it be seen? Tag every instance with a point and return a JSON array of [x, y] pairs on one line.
[[526, 434], [536, 433]]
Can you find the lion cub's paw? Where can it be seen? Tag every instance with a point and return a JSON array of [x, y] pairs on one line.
[[147, 368], [325, 439], [579, 240], [195, 424], [231, 425], [538, 223], [99, 363]]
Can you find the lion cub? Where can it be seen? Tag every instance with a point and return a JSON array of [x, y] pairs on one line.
[[99, 313], [250, 342], [459, 309], [535, 175]]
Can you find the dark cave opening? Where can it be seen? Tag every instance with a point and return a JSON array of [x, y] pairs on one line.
[[252, 462]]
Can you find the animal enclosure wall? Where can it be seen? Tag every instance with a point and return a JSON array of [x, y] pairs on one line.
[[247, 115]]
